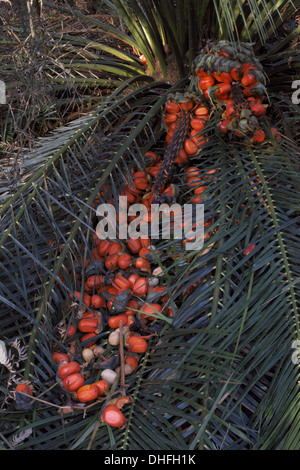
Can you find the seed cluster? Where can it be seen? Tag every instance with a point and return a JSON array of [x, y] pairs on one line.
[[232, 80], [126, 298], [198, 115]]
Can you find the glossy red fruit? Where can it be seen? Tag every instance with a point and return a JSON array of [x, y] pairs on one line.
[[88, 325], [230, 112], [103, 247], [197, 124], [249, 248], [170, 312], [68, 369], [134, 245], [190, 147], [89, 336], [71, 331], [147, 200], [224, 53], [150, 311], [152, 157], [193, 181], [132, 307], [257, 108], [223, 91], [24, 388], [197, 200], [60, 357], [140, 287], [73, 382], [198, 139], [143, 264], [88, 314], [113, 416], [97, 301], [248, 79], [75, 294], [235, 73], [86, 299], [201, 73], [201, 111], [153, 171], [87, 393], [258, 136], [223, 126], [133, 278], [192, 171], [131, 320], [115, 247], [143, 59], [120, 402], [132, 361], [182, 157], [124, 261], [144, 253], [96, 256], [141, 183], [158, 294], [199, 190], [205, 82], [172, 107], [95, 282], [145, 242], [169, 137], [111, 262], [102, 385], [112, 290], [137, 344], [246, 66], [139, 174], [224, 77], [131, 189], [169, 118], [171, 128], [186, 105], [247, 91], [130, 197], [120, 282]]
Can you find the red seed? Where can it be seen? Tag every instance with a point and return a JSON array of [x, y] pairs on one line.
[[172, 107], [87, 393], [73, 382], [113, 416]]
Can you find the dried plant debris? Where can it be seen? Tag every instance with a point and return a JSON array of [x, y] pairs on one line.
[[11, 359], [11, 355]]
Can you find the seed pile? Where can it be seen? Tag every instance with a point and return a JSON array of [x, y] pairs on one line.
[[126, 298]]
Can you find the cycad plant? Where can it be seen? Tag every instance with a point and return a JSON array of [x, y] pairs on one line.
[[222, 373]]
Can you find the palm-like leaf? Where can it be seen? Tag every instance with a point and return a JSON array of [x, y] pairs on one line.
[[222, 375]]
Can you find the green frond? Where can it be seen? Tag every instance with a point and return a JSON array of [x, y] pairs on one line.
[[221, 375], [213, 380]]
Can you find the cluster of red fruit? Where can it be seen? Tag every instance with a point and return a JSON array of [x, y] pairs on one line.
[[232, 79], [127, 296], [198, 115], [71, 375], [123, 293]]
